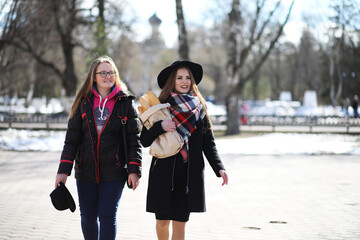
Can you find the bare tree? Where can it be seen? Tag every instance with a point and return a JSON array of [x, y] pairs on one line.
[[48, 32], [183, 44], [275, 76], [65, 26], [291, 72], [101, 47], [207, 46], [55, 18], [239, 50], [347, 15], [308, 63], [27, 26]]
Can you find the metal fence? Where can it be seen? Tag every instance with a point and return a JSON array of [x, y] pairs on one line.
[[303, 121], [34, 121], [248, 123]]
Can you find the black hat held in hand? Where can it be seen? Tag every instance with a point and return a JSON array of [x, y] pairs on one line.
[[195, 69], [62, 199]]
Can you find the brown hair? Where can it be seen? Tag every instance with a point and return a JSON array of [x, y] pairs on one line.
[[170, 87], [87, 85]]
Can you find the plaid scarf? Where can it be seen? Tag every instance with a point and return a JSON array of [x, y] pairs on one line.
[[187, 113]]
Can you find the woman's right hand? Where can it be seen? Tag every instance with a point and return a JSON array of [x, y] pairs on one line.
[[60, 177], [168, 125]]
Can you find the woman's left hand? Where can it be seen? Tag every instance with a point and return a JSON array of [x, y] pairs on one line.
[[134, 180], [224, 177]]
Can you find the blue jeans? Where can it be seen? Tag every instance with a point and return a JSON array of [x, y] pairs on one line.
[[99, 201]]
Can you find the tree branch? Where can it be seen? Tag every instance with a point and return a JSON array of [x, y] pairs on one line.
[[246, 51], [265, 56], [31, 51]]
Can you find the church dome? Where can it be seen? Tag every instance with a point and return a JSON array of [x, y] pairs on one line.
[[154, 20]]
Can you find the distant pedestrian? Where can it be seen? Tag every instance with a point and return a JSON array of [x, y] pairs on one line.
[[355, 105], [176, 183], [345, 105], [95, 147]]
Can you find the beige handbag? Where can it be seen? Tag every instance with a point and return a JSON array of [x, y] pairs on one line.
[[167, 144]]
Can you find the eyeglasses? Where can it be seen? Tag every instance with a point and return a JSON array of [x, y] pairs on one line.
[[104, 74]]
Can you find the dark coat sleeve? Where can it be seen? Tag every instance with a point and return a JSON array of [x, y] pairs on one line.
[[210, 150], [133, 140], [148, 136], [72, 142]]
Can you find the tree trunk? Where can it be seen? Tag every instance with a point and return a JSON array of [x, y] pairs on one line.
[[335, 65], [65, 31], [255, 85], [69, 77], [183, 44], [275, 75], [232, 108], [232, 69], [100, 32], [332, 80], [294, 79]]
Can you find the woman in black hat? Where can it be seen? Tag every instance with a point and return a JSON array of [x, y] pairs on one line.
[[176, 183], [101, 118]]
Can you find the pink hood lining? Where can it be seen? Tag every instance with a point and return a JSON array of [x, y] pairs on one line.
[[108, 101]]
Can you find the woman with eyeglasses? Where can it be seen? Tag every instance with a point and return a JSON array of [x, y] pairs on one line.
[[102, 145]]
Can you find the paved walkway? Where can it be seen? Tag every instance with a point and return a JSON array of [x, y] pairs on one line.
[[269, 197]]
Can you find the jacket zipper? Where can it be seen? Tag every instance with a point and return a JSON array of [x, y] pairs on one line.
[[98, 160], [89, 120], [98, 141]]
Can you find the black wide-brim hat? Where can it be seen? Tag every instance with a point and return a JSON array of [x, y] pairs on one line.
[[196, 70], [62, 199]]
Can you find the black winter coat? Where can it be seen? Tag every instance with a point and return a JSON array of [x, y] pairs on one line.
[[100, 158], [161, 170]]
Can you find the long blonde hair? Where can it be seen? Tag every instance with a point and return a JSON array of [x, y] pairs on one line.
[[170, 87], [87, 85]]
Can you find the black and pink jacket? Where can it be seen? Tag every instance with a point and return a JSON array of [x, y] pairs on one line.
[[98, 151]]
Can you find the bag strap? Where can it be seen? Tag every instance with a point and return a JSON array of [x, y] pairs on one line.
[[123, 111], [123, 104]]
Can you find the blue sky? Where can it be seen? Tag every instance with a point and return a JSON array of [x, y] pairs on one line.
[[195, 10]]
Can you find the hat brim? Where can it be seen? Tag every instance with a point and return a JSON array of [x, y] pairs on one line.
[[196, 70]]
